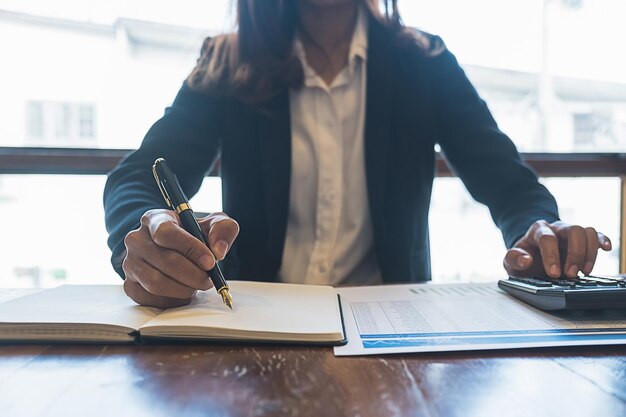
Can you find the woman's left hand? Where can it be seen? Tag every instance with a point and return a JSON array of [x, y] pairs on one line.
[[554, 250]]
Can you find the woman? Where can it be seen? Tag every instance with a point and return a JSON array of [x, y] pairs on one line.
[[325, 114]]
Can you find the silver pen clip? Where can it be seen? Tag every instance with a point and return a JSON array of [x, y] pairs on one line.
[[160, 184]]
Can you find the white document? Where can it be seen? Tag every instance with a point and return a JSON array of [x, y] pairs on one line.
[[456, 317]]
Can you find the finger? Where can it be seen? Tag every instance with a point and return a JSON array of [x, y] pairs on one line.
[[605, 242], [545, 239], [222, 232], [593, 243], [168, 234], [517, 259], [138, 294], [178, 267], [157, 283], [576, 250]]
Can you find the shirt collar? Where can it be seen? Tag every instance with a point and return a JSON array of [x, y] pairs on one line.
[[358, 45]]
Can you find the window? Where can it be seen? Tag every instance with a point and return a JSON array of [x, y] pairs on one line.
[[539, 65], [96, 68], [467, 246], [60, 124], [51, 244], [584, 129], [112, 67], [64, 255], [87, 122], [34, 120], [61, 120], [534, 65]]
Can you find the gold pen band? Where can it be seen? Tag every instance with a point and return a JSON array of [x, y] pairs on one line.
[[182, 207]]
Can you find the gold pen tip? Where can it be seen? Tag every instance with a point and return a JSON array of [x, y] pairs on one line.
[[226, 297]]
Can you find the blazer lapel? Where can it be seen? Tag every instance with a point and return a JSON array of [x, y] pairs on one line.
[[377, 123], [274, 134]]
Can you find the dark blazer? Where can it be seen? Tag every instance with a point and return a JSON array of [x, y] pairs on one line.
[[414, 101]]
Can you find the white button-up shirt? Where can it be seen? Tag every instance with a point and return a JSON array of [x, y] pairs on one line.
[[329, 233]]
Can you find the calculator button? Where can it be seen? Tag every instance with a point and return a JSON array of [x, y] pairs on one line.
[[581, 283], [532, 281], [604, 282], [611, 278], [539, 283]]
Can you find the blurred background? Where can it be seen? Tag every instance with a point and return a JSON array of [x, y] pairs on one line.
[[95, 74]]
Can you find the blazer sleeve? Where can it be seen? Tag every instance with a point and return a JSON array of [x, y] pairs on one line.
[[484, 158], [187, 136]]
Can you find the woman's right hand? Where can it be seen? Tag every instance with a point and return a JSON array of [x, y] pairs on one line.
[[165, 266]]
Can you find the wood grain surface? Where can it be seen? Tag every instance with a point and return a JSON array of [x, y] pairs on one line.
[[221, 380]]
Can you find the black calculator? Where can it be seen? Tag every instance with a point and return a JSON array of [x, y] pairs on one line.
[[582, 293]]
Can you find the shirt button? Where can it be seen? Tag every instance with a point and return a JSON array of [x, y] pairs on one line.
[[323, 267]]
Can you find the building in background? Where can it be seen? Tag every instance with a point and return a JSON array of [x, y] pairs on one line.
[[85, 84]]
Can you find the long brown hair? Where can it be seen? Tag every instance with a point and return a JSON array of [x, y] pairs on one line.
[[257, 60]]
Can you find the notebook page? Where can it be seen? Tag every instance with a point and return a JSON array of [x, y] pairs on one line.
[[76, 305], [260, 308]]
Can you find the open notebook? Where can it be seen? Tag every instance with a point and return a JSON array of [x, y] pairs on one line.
[[103, 313]]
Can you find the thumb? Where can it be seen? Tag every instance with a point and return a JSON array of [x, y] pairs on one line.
[[221, 231], [517, 259], [167, 233]]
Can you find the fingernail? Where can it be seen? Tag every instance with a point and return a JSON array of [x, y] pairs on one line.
[[220, 248], [573, 270], [206, 262], [523, 261], [554, 270]]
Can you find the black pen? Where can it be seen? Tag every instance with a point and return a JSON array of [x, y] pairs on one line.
[[177, 201]]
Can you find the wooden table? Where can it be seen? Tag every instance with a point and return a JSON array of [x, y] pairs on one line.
[[235, 380], [219, 380]]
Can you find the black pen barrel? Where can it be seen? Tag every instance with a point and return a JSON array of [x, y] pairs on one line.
[[189, 223], [217, 278]]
